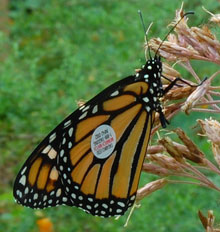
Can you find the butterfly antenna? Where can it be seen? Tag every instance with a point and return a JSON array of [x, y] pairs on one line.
[[187, 13], [145, 32]]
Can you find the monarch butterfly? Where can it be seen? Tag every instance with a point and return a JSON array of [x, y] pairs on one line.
[[93, 158]]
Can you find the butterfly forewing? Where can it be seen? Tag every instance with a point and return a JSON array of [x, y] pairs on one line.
[[93, 159]]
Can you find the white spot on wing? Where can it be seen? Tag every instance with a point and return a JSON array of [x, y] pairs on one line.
[[146, 99], [46, 149], [115, 93], [95, 109], [67, 123], [61, 153], [64, 199], [70, 132], [151, 91], [85, 108], [83, 116], [122, 204], [58, 193], [105, 206], [52, 137], [23, 171], [70, 145], [64, 140], [35, 196], [50, 201], [22, 180], [26, 190], [148, 109], [20, 194]]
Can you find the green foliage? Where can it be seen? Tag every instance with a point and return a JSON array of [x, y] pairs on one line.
[[58, 52]]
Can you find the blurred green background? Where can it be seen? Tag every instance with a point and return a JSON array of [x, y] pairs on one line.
[[56, 52]]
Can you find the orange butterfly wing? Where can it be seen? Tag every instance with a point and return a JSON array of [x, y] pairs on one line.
[[38, 184], [93, 159]]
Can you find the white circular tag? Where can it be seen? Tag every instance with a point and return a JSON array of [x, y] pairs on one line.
[[103, 141]]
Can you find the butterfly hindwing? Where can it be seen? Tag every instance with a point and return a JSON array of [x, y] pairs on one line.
[[38, 184]]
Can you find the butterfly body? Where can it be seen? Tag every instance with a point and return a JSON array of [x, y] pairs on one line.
[[93, 158]]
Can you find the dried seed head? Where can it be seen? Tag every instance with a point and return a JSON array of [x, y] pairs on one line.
[[211, 129], [189, 43], [81, 103], [150, 188], [179, 16], [155, 169], [171, 149], [209, 44], [195, 96], [196, 154], [155, 149], [215, 17], [172, 51], [170, 72], [165, 162], [216, 152], [187, 154], [179, 93]]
